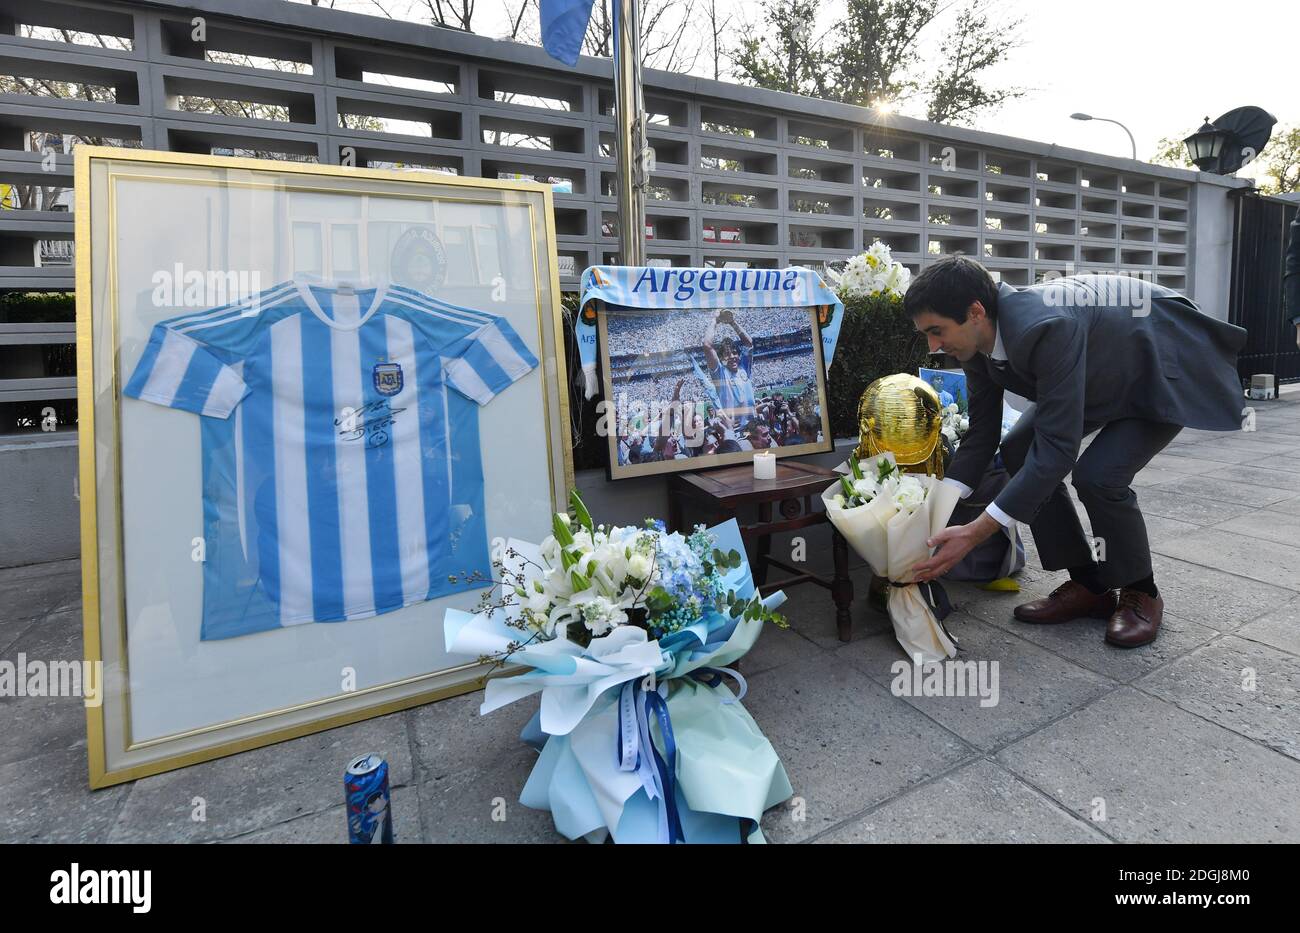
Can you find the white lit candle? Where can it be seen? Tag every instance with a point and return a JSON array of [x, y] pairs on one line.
[[764, 465]]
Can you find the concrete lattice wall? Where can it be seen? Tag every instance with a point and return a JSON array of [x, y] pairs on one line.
[[741, 174]]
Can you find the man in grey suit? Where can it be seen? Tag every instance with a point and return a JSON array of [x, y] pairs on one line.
[[1133, 361]]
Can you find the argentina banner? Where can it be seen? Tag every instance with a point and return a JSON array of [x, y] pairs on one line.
[[649, 288]]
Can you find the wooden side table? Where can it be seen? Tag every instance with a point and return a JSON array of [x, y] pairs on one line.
[[721, 493]]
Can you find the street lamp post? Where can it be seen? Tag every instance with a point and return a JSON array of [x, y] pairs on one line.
[[1085, 116]]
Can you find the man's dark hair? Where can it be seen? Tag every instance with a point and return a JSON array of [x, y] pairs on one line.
[[949, 286]]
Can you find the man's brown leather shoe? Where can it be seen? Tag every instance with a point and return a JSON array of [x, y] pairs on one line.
[[1137, 620], [1068, 601]]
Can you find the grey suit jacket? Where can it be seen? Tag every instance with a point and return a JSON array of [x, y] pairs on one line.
[[1091, 350]]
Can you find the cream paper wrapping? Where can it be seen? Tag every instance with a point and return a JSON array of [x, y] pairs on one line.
[[893, 543]]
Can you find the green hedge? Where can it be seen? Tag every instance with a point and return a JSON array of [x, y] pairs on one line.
[[38, 308], [877, 339]]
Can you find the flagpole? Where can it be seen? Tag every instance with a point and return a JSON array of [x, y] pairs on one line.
[[631, 153]]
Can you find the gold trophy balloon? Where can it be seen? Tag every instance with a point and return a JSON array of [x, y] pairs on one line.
[[901, 414]]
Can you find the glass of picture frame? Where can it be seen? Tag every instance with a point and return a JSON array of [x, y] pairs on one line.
[[694, 387], [302, 436]]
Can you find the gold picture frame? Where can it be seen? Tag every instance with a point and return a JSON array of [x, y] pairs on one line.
[[617, 469], [114, 755]]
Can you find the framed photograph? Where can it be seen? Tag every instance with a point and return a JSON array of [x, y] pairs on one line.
[[302, 436], [950, 384], [688, 388]]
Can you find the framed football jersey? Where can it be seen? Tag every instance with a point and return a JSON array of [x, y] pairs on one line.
[[309, 420]]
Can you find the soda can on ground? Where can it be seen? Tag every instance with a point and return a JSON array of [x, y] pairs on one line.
[[365, 785]]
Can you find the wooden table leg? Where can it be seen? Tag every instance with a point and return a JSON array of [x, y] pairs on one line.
[[842, 586], [764, 543]]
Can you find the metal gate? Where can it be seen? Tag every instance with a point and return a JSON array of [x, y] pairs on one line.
[[1259, 245]]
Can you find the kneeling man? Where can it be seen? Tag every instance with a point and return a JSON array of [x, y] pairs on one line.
[[1133, 361]]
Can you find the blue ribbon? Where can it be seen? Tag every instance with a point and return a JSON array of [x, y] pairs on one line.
[[637, 752], [712, 677]]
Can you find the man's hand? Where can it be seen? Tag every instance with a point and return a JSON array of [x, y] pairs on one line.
[[953, 544], [1297, 335]]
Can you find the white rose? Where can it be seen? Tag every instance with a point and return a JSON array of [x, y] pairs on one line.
[[910, 494], [640, 565]]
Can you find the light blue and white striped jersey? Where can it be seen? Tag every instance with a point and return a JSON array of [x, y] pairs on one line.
[[736, 390], [341, 468]]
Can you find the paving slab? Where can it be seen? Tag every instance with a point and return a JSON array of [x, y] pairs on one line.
[[331, 826], [1272, 563], [36, 725], [1162, 500], [1083, 642], [1180, 463], [1214, 452], [1020, 686], [1269, 524], [847, 743], [812, 614], [1280, 628], [25, 595], [1216, 598], [472, 768], [1154, 476], [1288, 506], [484, 807], [1220, 489], [259, 788], [1163, 774], [1259, 475], [1160, 528], [981, 803], [1245, 686], [47, 799], [1252, 441], [777, 646]]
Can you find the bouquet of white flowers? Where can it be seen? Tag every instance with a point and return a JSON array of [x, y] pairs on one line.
[[628, 631], [887, 516], [871, 273]]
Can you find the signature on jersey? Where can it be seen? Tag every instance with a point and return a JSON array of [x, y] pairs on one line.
[[373, 422]]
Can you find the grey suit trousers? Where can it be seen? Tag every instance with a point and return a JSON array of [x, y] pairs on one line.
[[1103, 477]]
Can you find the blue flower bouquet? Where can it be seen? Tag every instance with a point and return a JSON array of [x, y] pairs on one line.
[[626, 633]]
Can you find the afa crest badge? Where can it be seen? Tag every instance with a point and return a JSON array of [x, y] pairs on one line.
[[388, 378]]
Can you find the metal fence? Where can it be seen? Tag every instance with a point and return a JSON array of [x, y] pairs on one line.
[[1259, 246]]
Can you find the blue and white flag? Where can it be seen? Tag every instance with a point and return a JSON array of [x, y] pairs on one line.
[[564, 23], [674, 288]]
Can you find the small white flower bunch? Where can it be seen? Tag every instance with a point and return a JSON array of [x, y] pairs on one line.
[[904, 492], [872, 273], [953, 424], [594, 575]]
